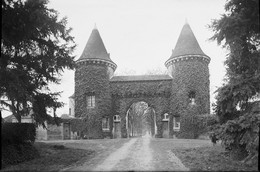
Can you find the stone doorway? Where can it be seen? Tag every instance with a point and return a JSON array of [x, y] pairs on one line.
[[66, 131]]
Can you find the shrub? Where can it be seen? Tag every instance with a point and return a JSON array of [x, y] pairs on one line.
[[247, 141], [17, 133], [192, 124], [17, 153], [61, 147]]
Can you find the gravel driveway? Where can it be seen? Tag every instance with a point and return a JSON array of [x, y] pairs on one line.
[[136, 154]]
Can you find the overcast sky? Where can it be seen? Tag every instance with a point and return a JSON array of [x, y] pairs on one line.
[[140, 34]]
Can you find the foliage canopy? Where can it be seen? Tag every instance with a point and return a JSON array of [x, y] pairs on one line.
[[35, 49], [238, 99]]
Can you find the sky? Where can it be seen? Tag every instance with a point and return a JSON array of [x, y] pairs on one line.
[[140, 34]]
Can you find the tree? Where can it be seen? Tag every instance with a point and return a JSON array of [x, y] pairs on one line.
[[35, 49], [237, 99], [125, 71], [157, 71]]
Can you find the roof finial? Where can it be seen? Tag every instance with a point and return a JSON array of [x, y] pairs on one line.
[[95, 26]]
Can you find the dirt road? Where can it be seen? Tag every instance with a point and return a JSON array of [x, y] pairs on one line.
[[136, 154]]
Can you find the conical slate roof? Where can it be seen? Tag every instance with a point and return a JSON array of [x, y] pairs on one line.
[[95, 48], [187, 44]]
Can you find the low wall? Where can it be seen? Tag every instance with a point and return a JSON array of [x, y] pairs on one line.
[[55, 132], [41, 133]]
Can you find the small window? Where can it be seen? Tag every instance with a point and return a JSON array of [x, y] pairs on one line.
[[192, 97], [90, 101], [105, 124], [166, 117], [176, 124], [70, 111], [117, 118]]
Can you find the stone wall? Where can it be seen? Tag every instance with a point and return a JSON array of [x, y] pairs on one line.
[[54, 132]]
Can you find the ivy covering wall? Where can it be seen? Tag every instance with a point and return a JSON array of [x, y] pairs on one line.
[[92, 79], [165, 96], [191, 123], [145, 88], [190, 75]]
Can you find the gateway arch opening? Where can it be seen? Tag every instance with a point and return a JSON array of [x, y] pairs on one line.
[[141, 120]]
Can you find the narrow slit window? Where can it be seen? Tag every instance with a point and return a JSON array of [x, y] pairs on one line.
[[176, 123]]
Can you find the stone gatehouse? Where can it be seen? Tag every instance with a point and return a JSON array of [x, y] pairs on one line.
[[103, 100]]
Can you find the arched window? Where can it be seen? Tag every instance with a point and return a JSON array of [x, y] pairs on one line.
[[166, 117], [117, 118], [192, 97]]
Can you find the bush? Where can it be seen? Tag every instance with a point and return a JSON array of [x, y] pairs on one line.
[[17, 153], [158, 136], [18, 133], [60, 147], [240, 135], [192, 124]]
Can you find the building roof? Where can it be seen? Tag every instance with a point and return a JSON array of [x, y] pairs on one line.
[[65, 116], [72, 96], [187, 43], [141, 78], [95, 48]]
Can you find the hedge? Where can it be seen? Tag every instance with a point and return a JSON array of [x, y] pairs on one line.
[[18, 133], [17, 153]]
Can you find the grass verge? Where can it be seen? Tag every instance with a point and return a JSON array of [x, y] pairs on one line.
[[53, 158], [211, 159]]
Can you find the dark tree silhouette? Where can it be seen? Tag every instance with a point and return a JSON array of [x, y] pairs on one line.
[[35, 49], [238, 98]]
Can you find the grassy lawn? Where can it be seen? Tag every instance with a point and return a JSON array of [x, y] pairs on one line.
[[53, 157], [210, 158]]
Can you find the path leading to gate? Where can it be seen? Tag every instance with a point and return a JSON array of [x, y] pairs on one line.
[[143, 155], [136, 154]]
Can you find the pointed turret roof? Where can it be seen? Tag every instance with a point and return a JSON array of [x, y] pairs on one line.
[[187, 43], [95, 48]]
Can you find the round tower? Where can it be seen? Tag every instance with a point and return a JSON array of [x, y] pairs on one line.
[[94, 68], [188, 66]]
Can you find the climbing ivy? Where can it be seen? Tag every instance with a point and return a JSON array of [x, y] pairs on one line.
[[145, 88], [192, 123], [92, 79], [190, 75], [165, 96]]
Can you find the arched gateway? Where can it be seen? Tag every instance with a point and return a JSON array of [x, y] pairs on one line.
[[103, 100]]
